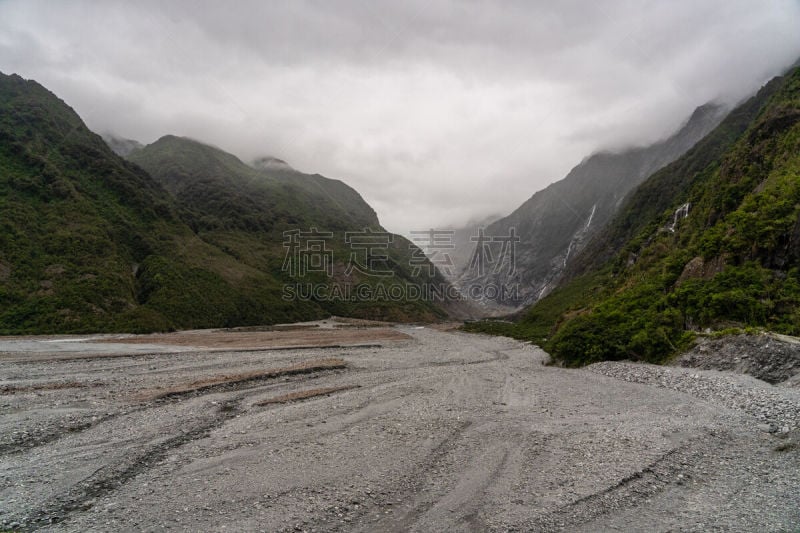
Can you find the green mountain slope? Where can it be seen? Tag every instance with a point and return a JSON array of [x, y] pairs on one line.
[[246, 211], [92, 242], [556, 223], [710, 241], [222, 193]]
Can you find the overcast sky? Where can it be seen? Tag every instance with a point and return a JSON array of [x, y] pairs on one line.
[[436, 111]]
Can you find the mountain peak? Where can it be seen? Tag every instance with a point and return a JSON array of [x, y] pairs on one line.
[[121, 146], [708, 109], [268, 162], [684, 240], [556, 223]]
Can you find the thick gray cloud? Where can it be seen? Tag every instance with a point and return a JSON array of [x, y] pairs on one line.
[[436, 111]]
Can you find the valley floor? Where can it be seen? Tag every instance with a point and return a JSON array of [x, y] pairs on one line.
[[329, 428]]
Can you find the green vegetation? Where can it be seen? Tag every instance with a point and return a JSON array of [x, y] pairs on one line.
[[219, 192], [245, 211], [91, 242], [642, 291]]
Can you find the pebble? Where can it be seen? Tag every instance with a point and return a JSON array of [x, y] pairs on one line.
[[775, 408]]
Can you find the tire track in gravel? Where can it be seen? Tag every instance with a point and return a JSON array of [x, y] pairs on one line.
[[29, 442], [409, 487], [405, 489], [450, 433], [462, 505], [638, 486], [110, 478], [498, 355], [55, 432], [39, 358], [358, 414], [24, 443]]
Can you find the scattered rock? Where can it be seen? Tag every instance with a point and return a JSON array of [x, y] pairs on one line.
[[771, 358], [775, 408]]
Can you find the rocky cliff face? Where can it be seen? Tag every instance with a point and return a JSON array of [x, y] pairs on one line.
[[457, 245], [557, 222], [709, 243]]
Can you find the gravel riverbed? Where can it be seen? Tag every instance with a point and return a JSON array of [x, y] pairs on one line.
[[416, 430], [772, 408]]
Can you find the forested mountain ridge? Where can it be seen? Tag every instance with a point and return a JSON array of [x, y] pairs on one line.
[[556, 223], [710, 241], [92, 242]]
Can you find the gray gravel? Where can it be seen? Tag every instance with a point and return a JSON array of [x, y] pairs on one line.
[[767, 356], [445, 432], [772, 408]]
